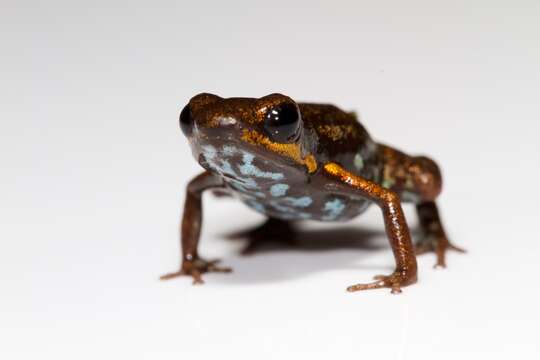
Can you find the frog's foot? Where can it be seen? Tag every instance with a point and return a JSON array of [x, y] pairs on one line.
[[195, 269], [439, 244], [394, 281], [273, 230]]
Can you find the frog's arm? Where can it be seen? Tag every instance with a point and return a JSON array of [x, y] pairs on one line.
[[190, 229], [342, 181]]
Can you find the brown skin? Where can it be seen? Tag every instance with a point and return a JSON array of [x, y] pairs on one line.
[[294, 161], [192, 264]]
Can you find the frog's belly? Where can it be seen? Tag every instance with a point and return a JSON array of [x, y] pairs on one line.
[[292, 201], [320, 208]]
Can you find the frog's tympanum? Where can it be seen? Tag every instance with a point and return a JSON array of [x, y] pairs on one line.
[[295, 161]]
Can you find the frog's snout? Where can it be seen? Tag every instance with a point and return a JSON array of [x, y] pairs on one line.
[[216, 126], [186, 121], [191, 115], [208, 125]]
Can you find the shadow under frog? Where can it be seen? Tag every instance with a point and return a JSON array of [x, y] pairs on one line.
[[294, 252]]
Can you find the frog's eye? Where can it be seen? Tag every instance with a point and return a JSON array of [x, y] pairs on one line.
[[282, 122], [186, 120]]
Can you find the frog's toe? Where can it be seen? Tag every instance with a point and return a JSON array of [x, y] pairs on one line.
[[456, 248], [438, 245], [379, 284], [395, 282], [195, 269], [212, 267], [172, 275]]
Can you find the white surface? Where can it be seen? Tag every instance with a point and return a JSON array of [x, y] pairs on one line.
[[94, 167]]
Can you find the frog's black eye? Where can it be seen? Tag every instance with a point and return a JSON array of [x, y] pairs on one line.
[[282, 122], [186, 120]]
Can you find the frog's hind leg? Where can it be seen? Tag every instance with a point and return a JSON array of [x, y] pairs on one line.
[[434, 237], [418, 180], [272, 230]]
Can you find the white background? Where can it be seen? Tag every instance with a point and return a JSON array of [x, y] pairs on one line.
[[93, 169]]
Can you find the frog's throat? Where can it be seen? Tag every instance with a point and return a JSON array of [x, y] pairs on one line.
[[292, 151]]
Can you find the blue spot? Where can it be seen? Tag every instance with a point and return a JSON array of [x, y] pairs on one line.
[[250, 183], [387, 183], [257, 206], [226, 168], [248, 158], [247, 183], [280, 207], [303, 201], [228, 150], [333, 208], [289, 213], [209, 152], [290, 204], [278, 190], [358, 161], [218, 165], [238, 186], [249, 169], [296, 216]]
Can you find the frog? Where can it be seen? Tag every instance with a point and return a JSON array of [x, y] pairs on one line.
[[294, 161]]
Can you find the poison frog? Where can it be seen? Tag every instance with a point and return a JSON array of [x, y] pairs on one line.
[[294, 161]]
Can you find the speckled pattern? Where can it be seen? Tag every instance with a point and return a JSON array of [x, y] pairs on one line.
[[273, 193]]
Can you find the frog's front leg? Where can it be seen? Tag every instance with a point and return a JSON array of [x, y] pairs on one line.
[[192, 264], [418, 179], [394, 220]]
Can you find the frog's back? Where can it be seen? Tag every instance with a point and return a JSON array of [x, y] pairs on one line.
[[342, 139]]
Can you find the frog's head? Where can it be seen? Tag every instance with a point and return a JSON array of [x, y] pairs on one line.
[[225, 133]]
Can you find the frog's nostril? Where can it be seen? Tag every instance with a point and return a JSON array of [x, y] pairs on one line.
[[186, 121]]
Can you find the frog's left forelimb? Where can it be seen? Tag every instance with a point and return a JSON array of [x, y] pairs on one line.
[[395, 223]]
